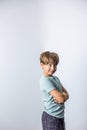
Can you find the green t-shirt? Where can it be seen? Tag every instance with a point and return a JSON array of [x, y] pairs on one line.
[[48, 84]]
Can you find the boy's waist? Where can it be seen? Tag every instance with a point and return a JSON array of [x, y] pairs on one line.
[[56, 111], [45, 113]]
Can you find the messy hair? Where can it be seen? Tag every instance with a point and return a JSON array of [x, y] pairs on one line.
[[47, 57]]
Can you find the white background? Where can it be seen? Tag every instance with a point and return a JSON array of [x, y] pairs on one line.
[[26, 29]]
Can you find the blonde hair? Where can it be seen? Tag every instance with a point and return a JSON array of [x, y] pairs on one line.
[[47, 57]]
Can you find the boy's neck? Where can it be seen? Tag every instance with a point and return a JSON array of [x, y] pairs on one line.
[[47, 75]]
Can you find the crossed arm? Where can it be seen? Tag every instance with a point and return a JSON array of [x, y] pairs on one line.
[[58, 96]]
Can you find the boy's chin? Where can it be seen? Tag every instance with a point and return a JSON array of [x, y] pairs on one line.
[[50, 74]]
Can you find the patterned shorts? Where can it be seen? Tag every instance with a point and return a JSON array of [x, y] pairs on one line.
[[52, 123]]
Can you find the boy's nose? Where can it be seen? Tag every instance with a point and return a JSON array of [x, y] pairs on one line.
[[52, 67]]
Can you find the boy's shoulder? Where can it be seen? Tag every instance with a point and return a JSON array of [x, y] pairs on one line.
[[45, 78], [48, 78], [47, 83]]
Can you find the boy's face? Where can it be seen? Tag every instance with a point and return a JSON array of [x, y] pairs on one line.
[[48, 69]]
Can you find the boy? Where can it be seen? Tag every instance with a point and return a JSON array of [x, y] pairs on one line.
[[53, 93]]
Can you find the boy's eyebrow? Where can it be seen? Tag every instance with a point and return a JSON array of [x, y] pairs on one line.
[[52, 64]]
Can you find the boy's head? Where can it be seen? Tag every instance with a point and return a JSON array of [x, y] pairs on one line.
[[49, 57], [49, 61]]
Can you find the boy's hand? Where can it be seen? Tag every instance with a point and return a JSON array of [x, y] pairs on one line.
[[66, 96], [56, 100]]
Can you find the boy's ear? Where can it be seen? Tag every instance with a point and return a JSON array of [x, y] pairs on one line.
[[41, 65]]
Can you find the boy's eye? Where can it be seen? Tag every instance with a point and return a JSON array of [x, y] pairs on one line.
[[51, 65]]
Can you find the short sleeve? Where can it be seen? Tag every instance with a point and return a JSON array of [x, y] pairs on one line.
[[58, 80], [47, 85]]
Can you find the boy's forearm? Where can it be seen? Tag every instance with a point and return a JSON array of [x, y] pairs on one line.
[[58, 96], [63, 97]]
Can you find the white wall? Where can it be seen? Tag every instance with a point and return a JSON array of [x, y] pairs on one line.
[[65, 31], [20, 100], [26, 29]]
